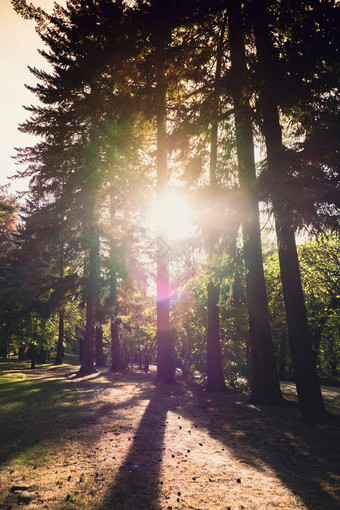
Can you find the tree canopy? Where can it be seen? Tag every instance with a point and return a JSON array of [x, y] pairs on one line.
[[233, 106]]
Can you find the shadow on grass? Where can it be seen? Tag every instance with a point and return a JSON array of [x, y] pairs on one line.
[[305, 457], [45, 411], [138, 481]]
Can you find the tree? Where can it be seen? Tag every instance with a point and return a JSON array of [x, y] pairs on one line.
[[318, 261], [265, 382], [78, 110], [215, 376], [319, 266], [8, 211], [307, 384]]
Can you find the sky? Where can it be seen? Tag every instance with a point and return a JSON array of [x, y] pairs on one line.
[[18, 49]]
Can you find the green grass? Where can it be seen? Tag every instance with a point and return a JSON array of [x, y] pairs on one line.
[[27, 409], [36, 455]]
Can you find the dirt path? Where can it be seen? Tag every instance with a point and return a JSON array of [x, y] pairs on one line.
[[120, 442], [331, 395]]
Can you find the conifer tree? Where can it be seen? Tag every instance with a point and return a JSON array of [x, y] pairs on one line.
[[265, 383], [268, 69]]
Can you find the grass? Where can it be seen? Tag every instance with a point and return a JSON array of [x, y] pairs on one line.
[[26, 407]]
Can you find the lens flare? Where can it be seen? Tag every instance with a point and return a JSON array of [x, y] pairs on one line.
[[171, 215]]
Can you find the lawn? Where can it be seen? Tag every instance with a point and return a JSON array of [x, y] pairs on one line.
[[118, 441]]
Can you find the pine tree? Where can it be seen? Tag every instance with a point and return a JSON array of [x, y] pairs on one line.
[[215, 376], [308, 387], [81, 99], [265, 382]]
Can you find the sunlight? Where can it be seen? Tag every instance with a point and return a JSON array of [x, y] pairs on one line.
[[172, 215]]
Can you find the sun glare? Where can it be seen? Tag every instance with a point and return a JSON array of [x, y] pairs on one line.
[[172, 215]]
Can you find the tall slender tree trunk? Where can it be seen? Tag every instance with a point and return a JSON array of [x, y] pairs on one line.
[[87, 353], [265, 381], [308, 388], [216, 382], [165, 371], [33, 355], [215, 376], [21, 353], [115, 347], [100, 357], [116, 361], [60, 343]]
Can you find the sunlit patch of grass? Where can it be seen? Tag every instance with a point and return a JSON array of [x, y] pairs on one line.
[[36, 454], [104, 380], [28, 409], [12, 375], [11, 406]]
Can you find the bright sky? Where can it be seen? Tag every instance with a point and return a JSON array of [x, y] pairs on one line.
[[18, 49]]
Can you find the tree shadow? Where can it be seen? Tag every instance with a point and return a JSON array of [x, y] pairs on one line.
[[137, 484], [304, 456], [43, 411]]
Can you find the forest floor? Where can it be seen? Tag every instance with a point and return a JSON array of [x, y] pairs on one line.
[[118, 441]]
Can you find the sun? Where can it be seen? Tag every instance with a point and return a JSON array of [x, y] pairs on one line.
[[172, 216]]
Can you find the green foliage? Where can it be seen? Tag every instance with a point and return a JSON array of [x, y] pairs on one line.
[[319, 266], [320, 263], [91, 174], [189, 320], [138, 325]]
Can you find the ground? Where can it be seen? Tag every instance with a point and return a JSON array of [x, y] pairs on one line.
[[118, 441]]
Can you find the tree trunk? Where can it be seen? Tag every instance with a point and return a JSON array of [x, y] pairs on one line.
[[147, 363], [32, 356], [308, 388], [80, 349], [216, 382], [265, 383], [165, 371], [100, 358], [282, 357], [3, 352], [41, 358], [116, 361], [307, 383], [60, 344], [87, 355], [21, 353], [115, 346]]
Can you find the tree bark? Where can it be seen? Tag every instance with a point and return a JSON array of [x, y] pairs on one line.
[[87, 351], [165, 371], [60, 344], [21, 353], [215, 376], [308, 388], [116, 361], [216, 382], [33, 356], [265, 386], [41, 358], [307, 383], [100, 358]]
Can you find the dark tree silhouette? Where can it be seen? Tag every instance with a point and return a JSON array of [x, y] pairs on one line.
[[308, 388], [265, 383]]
